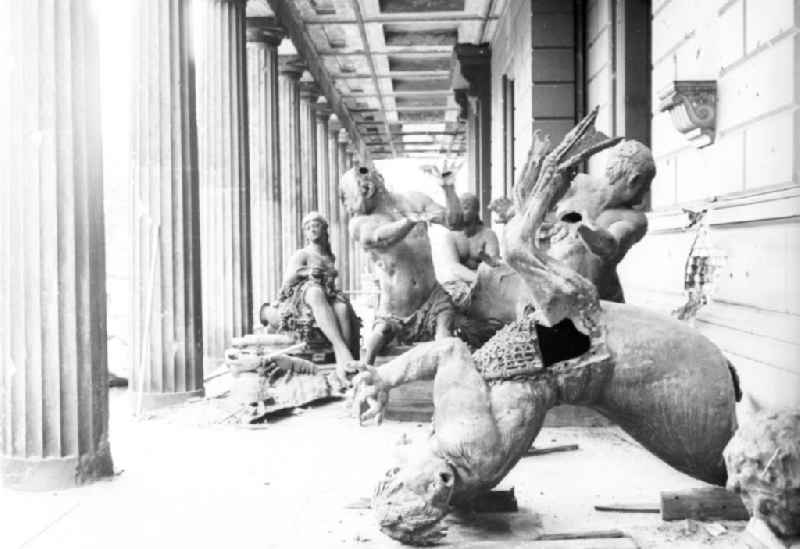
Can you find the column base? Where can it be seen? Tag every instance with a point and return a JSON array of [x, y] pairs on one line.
[[152, 401], [43, 474]]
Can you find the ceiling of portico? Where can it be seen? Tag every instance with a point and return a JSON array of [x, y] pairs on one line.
[[389, 64]]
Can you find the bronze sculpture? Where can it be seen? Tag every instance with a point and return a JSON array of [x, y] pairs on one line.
[[309, 299], [392, 229], [662, 382]]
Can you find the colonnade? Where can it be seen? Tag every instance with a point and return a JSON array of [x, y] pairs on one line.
[[228, 152]]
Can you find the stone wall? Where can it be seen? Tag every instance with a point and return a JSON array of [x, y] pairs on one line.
[[751, 49], [511, 57]]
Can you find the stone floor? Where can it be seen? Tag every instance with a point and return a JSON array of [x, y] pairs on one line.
[[289, 485]]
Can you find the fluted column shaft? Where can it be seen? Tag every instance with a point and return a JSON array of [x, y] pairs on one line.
[[166, 316], [324, 189], [265, 184], [334, 225], [344, 240], [289, 132], [53, 365], [224, 176], [308, 147]]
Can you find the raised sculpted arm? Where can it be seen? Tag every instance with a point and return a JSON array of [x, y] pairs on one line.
[[372, 234], [557, 291]]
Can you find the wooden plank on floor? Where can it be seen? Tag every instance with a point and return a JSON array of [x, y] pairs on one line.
[[551, 449], [702, 504], [602, 543], [629, 507]]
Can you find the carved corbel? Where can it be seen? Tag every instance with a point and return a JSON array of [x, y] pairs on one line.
[[692, 104], [461, 101]]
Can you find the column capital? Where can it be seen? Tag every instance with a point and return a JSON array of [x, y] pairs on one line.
[[264, 29], [334, 125], [322, 108], [291, 65], [343, 136], [309, 90]]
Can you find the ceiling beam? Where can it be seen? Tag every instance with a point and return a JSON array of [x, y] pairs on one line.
[[436, 51], [394, 74], [423, 93], [288, 16], [427, 17], [365, 41], [421, 108]]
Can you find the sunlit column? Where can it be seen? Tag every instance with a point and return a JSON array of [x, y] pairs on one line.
[[309, 92], [166, 319], [53, 366], [224, 177], [289, 73], [263, 37]]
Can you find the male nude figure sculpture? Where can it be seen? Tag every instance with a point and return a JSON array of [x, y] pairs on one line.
[[458, 254], [600, 219], [662, 382], [392, 228]]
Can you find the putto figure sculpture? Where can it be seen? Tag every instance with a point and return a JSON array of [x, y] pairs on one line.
[[665, 384], [309, 297], [393, 229]]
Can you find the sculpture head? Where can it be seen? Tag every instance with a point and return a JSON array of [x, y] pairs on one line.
[[630, 170], [470, 208], [360, 190], [315, 227], [413, 499]]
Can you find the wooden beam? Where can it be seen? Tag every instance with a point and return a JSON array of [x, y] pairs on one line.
[[551, 450], [439, 17], [586, 534], [435, 51], [703, 504], [629, 508], [393, 74], [288, 16], [365, 41], [422, 93]]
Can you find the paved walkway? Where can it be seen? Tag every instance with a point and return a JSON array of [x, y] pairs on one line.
[[287, 486]]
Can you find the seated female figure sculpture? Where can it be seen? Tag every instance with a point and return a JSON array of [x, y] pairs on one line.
[[665, 384], [309, 295]]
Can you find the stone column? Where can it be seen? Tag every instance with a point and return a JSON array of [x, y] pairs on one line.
[[263, 37], [53, 366], [309, 92], [325, 192], [344, 240], [166, 319], [289, 73], [224, 177], [335, 204]]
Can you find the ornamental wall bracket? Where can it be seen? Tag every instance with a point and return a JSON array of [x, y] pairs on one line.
[[692, 104]]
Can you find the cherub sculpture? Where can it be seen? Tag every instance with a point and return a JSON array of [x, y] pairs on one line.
[[662, 382]]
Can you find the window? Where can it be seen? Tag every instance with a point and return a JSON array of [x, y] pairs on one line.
[[508, 135]]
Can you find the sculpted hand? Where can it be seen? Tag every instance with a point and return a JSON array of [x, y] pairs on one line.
[[370, 396]]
